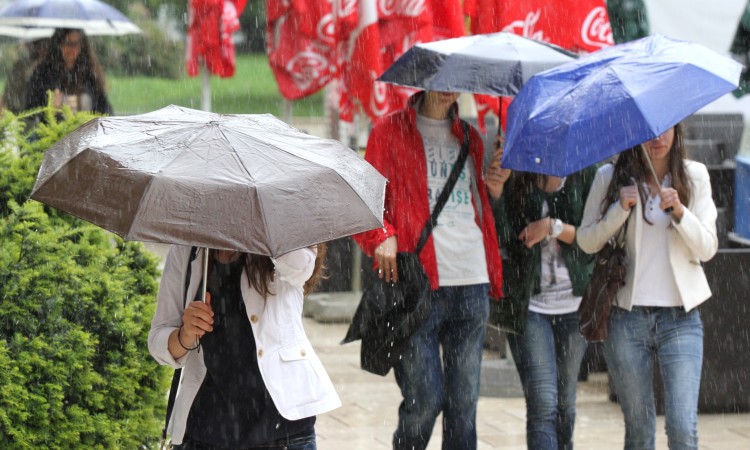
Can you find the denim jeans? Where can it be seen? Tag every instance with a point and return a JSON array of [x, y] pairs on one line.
[[675, 337], [548, 358], [304, 441], [428, 385]]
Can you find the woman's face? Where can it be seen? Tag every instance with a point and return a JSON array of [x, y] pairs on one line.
[[71, 48], [441, 100], [658, 148]]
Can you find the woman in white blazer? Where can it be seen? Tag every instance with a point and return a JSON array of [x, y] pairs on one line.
[[250, 376], [670, 230]]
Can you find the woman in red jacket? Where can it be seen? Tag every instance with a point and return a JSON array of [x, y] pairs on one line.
[[415, 148]]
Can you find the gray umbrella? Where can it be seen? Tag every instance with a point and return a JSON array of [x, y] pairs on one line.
[[237, 182], [494, 64], [92, 16]]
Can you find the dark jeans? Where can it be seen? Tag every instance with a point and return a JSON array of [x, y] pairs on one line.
[[430, 385], [303, 441], [548, 358]]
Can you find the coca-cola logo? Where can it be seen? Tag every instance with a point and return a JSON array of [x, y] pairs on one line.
[[408, 8], [306, 68], [346, 7], [596, 29], [326, 29], [378, 99], [526, 27]]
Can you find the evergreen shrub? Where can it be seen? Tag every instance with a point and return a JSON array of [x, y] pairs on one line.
[[75, 307]]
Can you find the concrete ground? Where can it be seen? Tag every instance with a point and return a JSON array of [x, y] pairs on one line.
[[370, 402]]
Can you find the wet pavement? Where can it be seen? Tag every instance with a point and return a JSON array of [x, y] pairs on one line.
[[370, 402]]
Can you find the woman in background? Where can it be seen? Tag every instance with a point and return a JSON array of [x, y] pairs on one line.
[[71, 71]]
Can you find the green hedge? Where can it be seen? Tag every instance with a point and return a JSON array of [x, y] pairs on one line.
[[75, 307]]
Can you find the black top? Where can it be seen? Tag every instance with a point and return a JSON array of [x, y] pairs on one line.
[[70, 82], [233, 408]]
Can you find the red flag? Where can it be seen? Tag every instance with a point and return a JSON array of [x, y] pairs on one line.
[[210, 27], [378, 40], [301, 45], [578, 25]]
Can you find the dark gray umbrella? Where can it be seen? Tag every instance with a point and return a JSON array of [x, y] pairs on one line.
[[494, 64], [237, 182]]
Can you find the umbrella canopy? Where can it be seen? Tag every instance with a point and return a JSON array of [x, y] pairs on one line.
[[95, 18], [585, 111], [29, 33], [494, 64], [236, 182]]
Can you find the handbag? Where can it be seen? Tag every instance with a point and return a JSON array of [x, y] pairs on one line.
[[389, 313], [608, 276]]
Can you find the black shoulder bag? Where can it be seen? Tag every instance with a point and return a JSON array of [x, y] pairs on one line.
[[177, 372], [389, 313]]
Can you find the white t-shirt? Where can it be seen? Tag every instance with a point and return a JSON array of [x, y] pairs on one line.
[[458, 240], [656, 284], [556, 296]]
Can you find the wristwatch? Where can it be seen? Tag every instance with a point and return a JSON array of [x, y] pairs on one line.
[[556, 228]]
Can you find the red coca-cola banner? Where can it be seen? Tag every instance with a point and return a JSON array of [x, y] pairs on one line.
[[309, 44], [581, 26], [209, 39], [301, 45]]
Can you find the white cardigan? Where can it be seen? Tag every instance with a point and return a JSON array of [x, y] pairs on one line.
[[291, 371], [691, 241]]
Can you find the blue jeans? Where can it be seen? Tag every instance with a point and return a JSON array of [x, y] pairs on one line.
[[428, 385], [303, 441], [675, 337], [548, 358]]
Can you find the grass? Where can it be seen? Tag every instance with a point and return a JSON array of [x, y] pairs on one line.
[[252, 90]]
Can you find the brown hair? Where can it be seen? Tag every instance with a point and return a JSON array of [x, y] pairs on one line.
[[632, 165], [260, 272], [86, 66]]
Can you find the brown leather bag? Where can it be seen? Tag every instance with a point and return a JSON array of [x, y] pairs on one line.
[[608, 276]]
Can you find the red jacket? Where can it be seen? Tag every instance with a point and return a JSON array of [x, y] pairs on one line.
[[396, 150]]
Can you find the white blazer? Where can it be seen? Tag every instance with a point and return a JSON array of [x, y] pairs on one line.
[[691, 241], [291, 371]]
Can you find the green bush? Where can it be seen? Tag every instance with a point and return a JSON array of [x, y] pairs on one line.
[[75, 308]]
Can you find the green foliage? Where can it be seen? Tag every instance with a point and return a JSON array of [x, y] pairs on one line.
[[75, 308]]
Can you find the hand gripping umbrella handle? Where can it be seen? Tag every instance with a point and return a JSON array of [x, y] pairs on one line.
[[653, 173]]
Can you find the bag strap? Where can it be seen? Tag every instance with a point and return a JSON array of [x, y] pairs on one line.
[[178, 372], [447, 189]]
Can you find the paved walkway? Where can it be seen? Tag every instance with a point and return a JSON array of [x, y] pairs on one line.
[[368, 417]]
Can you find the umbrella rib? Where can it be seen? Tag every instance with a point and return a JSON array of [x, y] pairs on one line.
[[250, 175]]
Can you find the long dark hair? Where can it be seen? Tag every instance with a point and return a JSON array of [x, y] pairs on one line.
[[260, 271], [632, 165], [86, 67], [521, 185]]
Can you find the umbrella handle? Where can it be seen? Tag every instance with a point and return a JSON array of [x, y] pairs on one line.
[[653, 173], [205, 275]]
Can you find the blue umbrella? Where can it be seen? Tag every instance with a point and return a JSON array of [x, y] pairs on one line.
[[91, 16], [585, 111]]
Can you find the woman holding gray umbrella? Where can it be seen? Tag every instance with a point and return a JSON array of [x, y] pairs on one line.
[[72, 72], [250, 376], [670, 221]]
